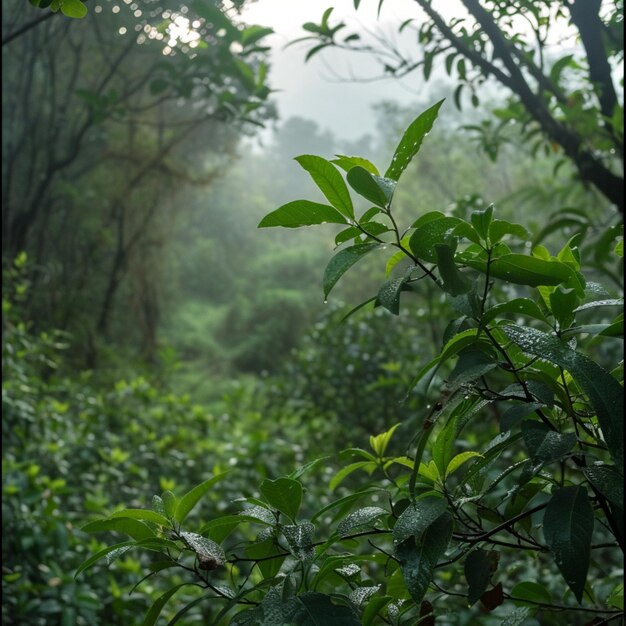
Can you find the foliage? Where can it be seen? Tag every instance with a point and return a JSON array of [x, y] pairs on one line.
[[567, 101], [135, 105], [73, 445], [507, 495]]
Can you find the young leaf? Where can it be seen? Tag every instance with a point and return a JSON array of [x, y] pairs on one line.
[[499, 228], [346, 471], [567, 527], [342, 262], [283, 494], [330, 182], [481, 220], [459, 460], [170, 502], [191, 498], [302, 213], [411, 141], [374, 188]]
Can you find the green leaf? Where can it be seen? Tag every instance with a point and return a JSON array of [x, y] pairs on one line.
[[131, 527], [283, 494], [380, 442], [417, 517], [374, 188], [170, 502], [191, 498], [418, 559], [518, 616], [599, 303], [360, 519], [346, 471], [608, 481], [499, 228], [300, 540], [348, 162], [522, 269], [459, 460], [302, 213], [111, 553], [568, 527], [372, 228], [530, 592], [604, 392], [143, 515], [318, 610], [155, 610], [562, 304], [454, 281], [515, 413], [389, 294], [544, 444], [343, 261], [330, 182], [411, 141], [263, 551], [73, 8], [481, 221], [517, 306], [477, 573], [92, 560], [428, 235]]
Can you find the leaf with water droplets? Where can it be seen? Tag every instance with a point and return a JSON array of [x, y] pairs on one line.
[[544, 444], [210, 554], [419, 558], [608, 481], [424, 240], [330, 182], [417, 517], [568, 527], [411, 141], [300, 540], [362, 518], [389, 294], [346, 163], [302, 213], [604, 392], [359, 596], [343, 261], [317, 609], [373, 188], [283, 494]]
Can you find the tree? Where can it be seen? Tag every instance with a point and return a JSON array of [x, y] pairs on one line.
[[571, 100], [98, 137], [512, 475]]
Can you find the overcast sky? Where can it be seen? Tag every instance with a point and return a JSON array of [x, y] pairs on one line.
[[309, 89]]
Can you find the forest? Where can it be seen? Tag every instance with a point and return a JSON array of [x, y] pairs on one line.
[[259, 369]]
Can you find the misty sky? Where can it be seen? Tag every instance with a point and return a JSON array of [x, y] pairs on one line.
[[309, 90]]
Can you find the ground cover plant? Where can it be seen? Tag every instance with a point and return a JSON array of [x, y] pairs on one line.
[[500, 500]]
